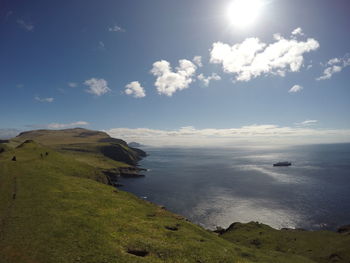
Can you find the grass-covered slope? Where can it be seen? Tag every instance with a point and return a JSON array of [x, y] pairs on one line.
[[319, 246], [54, 209], [91, 147]]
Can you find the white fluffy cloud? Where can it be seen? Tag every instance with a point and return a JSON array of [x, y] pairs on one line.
[[169, 81], [251, 135], [25, 25], [297, 31], [67, 125], [333, 66], [198, 61], [97, 87], [206, 80], [37, 98], [295, 88], [252, 58], [135, 89]]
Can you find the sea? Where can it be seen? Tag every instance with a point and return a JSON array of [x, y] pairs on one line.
[[218, 186]]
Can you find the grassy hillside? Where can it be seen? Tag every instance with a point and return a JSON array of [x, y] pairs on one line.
[[53, 209], [56, 207], [320, 246], [95, 148]]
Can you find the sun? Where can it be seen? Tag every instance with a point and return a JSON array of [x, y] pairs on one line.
[[244, 13]]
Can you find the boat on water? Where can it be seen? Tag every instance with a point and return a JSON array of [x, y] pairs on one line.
[[282, 164]]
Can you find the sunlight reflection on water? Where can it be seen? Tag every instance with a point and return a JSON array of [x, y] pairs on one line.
[[223, 207], [216, 187]]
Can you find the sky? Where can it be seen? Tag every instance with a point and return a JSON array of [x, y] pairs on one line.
[[182, 72]]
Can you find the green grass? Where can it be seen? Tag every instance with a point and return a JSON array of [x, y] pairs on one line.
[[57, 208], [92, 147], [52, 209], [320, 246]]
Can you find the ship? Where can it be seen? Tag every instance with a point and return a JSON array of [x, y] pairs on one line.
[[282, 164]]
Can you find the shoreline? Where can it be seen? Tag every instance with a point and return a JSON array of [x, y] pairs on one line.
[[132, 172]]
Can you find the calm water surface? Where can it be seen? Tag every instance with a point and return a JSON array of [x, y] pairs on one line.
[[217, 186]]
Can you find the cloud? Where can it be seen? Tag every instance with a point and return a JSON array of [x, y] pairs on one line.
[[49, 100], [252, 58], [295, 88], [97, 87], [67, 125], [169, 81], [135, 89], [116, 28], [101, 45], [297, 31], [25, 25], [8, 133], [328, 72], [308, 122], [333, 66], [252, 135], [72, 84], [206, 80], [198, 61]]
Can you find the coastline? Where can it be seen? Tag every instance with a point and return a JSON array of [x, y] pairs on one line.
[[126, 186]]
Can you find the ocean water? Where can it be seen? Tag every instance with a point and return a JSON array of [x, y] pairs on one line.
[[218, 186]]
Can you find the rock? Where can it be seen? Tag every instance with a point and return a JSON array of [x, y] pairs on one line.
[[134, 144], [344, 229], [130, 172], [219, 230], [335, 258]]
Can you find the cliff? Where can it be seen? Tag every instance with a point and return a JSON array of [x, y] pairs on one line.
[[56, 206]]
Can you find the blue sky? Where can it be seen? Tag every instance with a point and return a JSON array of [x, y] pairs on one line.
[[175, 72]]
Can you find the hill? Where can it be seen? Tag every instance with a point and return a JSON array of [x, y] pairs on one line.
[[111, 156], [319, 246], [56, 206]]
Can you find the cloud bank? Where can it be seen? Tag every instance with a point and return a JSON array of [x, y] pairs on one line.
[[253, 58], [8, 133], [56, 126], [246, 135]]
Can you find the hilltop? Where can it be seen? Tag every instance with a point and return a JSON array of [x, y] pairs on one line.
[[56, 206], [111, 156]]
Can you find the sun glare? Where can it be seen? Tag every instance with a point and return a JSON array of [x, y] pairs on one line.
[[243, 13]]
